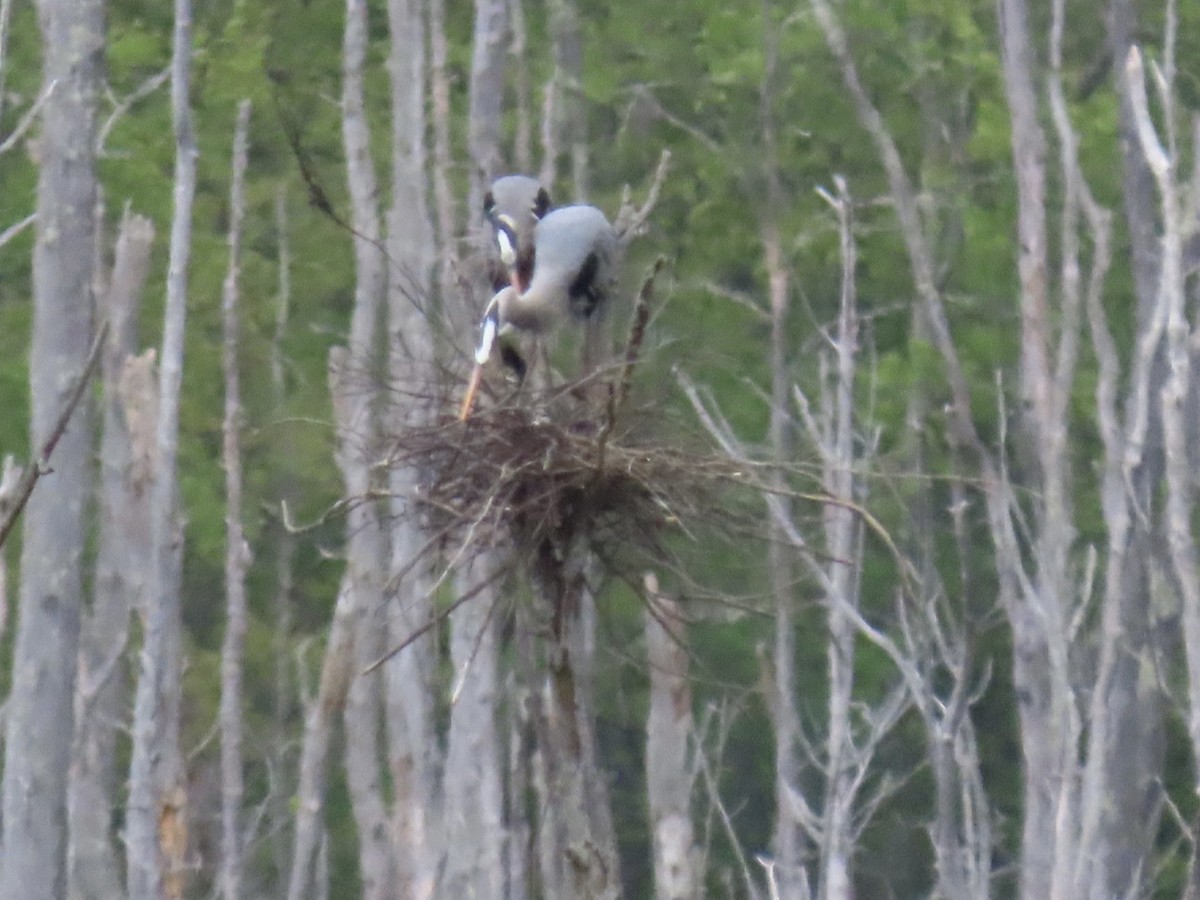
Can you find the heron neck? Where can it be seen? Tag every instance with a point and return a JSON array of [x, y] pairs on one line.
[[533, 310]]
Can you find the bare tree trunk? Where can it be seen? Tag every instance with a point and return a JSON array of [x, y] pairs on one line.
[[101, 694], [788, 839], [518, 48], [568, 114], [842, 540], [1039, 619], [357, 431], [285, 559], [155, 813], [583, 856], [337, 670], [487, 98], [408, 676], [474, 832], [40, 722], [439, 90], [1164, 151], [678, 874], [237, 553]]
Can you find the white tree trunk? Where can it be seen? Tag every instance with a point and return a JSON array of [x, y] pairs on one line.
[[357, 433], [669, 730], [473, 826], [487, 98], [156, 808], [408, 676], [40, 706], [337, 669], [237, 554], [101, 695]]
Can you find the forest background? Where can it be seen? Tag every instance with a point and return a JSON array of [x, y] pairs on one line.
[[919, 610]]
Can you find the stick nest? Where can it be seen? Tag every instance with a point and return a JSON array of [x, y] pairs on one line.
[[512, 475]]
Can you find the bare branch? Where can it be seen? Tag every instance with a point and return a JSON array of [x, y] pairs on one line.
[[631, 221], [1135, 75], [41, 465], [143, 90], [28, 119], [13, 230]]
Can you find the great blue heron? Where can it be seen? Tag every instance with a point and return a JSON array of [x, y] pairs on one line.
[[513, 206], [575, 254]]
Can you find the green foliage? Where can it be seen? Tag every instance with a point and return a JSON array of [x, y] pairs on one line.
[[688, 77]]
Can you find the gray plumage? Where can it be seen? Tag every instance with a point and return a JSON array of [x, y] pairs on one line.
[[513, 205], [575, 269], [575, 253]]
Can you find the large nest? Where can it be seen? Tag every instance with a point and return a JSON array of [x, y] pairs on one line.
[[514, 475]]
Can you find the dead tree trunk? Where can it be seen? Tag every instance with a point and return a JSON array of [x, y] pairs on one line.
[[337, 669], [237, 553], [408, 676], [582, 855], [473, 824], [788, 838], [285, 558], [669, 731], [40, 706], [566, 111], [155, 817], [487, 98], [473, 831], [101, 694], [357, 433]]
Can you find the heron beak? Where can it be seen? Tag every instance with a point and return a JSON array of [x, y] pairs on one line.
[[482, 353], [508, 253], [464, 411]]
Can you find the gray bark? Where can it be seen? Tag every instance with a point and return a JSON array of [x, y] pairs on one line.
[[40, 707], [834, 436], [678, 874], [337, 668], [567, 114], [408, 676], [285, 558], [474, 832], [102, 692], [487, 98], [357, 433], [1039, 616], [788, 838], [156, 808], [237, 553], [580, 852], [523, 139], [443, 197]]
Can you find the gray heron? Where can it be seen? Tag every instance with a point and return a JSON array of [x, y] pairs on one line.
[[513, 206], [575, 257]]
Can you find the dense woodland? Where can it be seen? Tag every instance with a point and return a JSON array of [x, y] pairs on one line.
[[865, 566]]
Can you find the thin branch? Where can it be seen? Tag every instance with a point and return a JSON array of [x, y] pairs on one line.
[[41, 466], [13, 230], [28, 119], [631, 221], [143, 90]]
